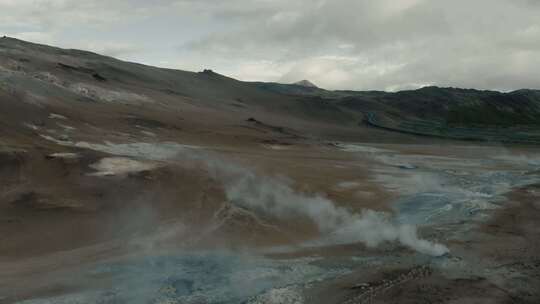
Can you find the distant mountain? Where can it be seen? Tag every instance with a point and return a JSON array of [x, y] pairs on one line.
[[305, 83]]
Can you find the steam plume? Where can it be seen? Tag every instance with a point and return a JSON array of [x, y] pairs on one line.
[[277, 198]]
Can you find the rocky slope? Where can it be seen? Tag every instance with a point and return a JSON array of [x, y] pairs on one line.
[[38, 74]]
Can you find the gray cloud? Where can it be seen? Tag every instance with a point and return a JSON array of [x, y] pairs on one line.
[[344, 44]]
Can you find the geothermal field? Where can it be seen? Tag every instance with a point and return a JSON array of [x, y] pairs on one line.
[[125, 183]]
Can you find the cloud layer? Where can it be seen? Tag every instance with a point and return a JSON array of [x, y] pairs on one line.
[[339, 44]]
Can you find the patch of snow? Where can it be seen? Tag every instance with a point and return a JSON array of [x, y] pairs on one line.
[[99, 93], [31, 126], [148, 133], [150, 151], [276, 147], [57, 141], [119, 165], [361, 148], [93, 91], [57, 116], [65, 155], [66, 127]]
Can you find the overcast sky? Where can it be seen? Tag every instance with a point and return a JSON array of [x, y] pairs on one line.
[[337, 44]]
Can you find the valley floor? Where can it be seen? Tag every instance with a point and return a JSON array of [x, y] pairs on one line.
[[165, 222]]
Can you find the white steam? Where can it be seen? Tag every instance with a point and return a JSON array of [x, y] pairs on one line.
[[275, 197]]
